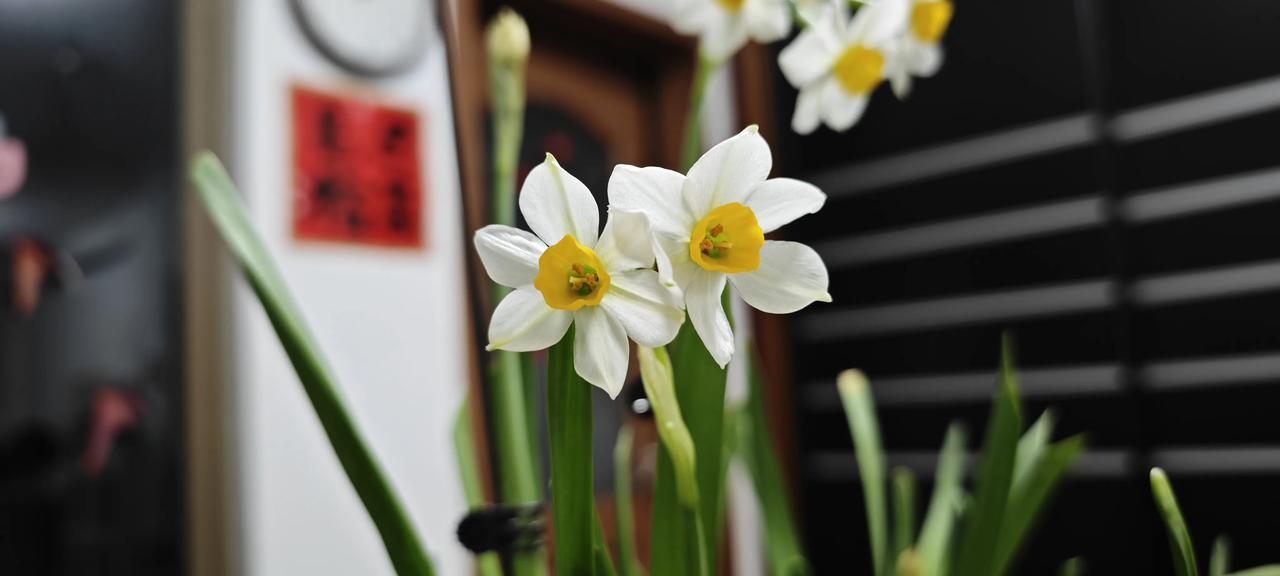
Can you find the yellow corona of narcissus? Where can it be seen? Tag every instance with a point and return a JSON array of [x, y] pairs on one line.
[[837, 63], [710, 227], [724, 26], [568, 272], [920, 44]]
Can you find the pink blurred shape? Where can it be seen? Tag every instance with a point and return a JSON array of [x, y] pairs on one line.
[[113, 412], [13, 166]]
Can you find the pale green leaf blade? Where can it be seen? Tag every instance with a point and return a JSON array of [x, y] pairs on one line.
[[1072, 567], [860, 410], [222, 202], [944, 507], [1220, 557], [1032, 446], [1184, 554], [1268, 570], [904, 512]]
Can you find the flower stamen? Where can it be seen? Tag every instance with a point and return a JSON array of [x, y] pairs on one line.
[[730, 242], [860, 69]]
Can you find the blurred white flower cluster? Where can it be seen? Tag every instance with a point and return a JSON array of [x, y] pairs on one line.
[[839, 57]]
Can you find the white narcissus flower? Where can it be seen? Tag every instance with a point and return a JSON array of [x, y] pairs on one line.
[[836, 63], [920, 44], [723, 26], [711, 226], [567, 271]]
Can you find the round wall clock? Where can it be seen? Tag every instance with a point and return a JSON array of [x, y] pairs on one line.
[[372, 38]]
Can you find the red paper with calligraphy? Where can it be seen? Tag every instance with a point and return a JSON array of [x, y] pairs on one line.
[[357, 175]]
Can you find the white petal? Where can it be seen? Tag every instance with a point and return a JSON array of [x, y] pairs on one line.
[[723, 35], [727, 172], [523, 322], [510, 255], [702, 298], [900, 80], [691, 16], [627, 241], [926, 59], [648, 312], [779, 201], [813, 51], [600, 349], [554, 203], [790, 277], [767, 20], [878, 23], [654, 191], [841, 110], [675, 268], [807, 116]]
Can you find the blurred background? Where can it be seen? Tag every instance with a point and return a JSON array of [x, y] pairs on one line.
[[1100, 178]]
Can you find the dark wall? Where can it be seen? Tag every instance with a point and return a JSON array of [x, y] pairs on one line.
[[91, 87], [1102, 179]]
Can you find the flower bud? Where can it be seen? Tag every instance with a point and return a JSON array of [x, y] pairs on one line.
[[507, 39]]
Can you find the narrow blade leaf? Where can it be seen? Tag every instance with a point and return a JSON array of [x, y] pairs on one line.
[[904, 513], [1220, 558], [782, 543], [944, 507], [982, 528], [860, 410], [1184, 554], [222, 202], [1028, 499]]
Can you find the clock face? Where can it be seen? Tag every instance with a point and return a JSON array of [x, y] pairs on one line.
[[368, 37]]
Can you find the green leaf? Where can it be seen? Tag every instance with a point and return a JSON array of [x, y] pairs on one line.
[[1184, 554], [659, 386], [944, 507], [982, 528], [464, 445], [1032, 446], [782, 542], [1268, 570], [860, 411], [1028, 499], [1220, 558], [222, 201], [600, 547], [1072, 567], [629, 562], [904, 512], [699, 386], [572, 492]]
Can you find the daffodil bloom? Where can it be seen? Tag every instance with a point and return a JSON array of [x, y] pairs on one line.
[[836, 63], [920, 44], [567, 271], [711, 226], [723, 26]]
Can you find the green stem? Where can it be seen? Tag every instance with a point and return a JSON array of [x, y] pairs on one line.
[[514, 442], [628, 562], [572, 495], [464, 445], [692, 145]]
